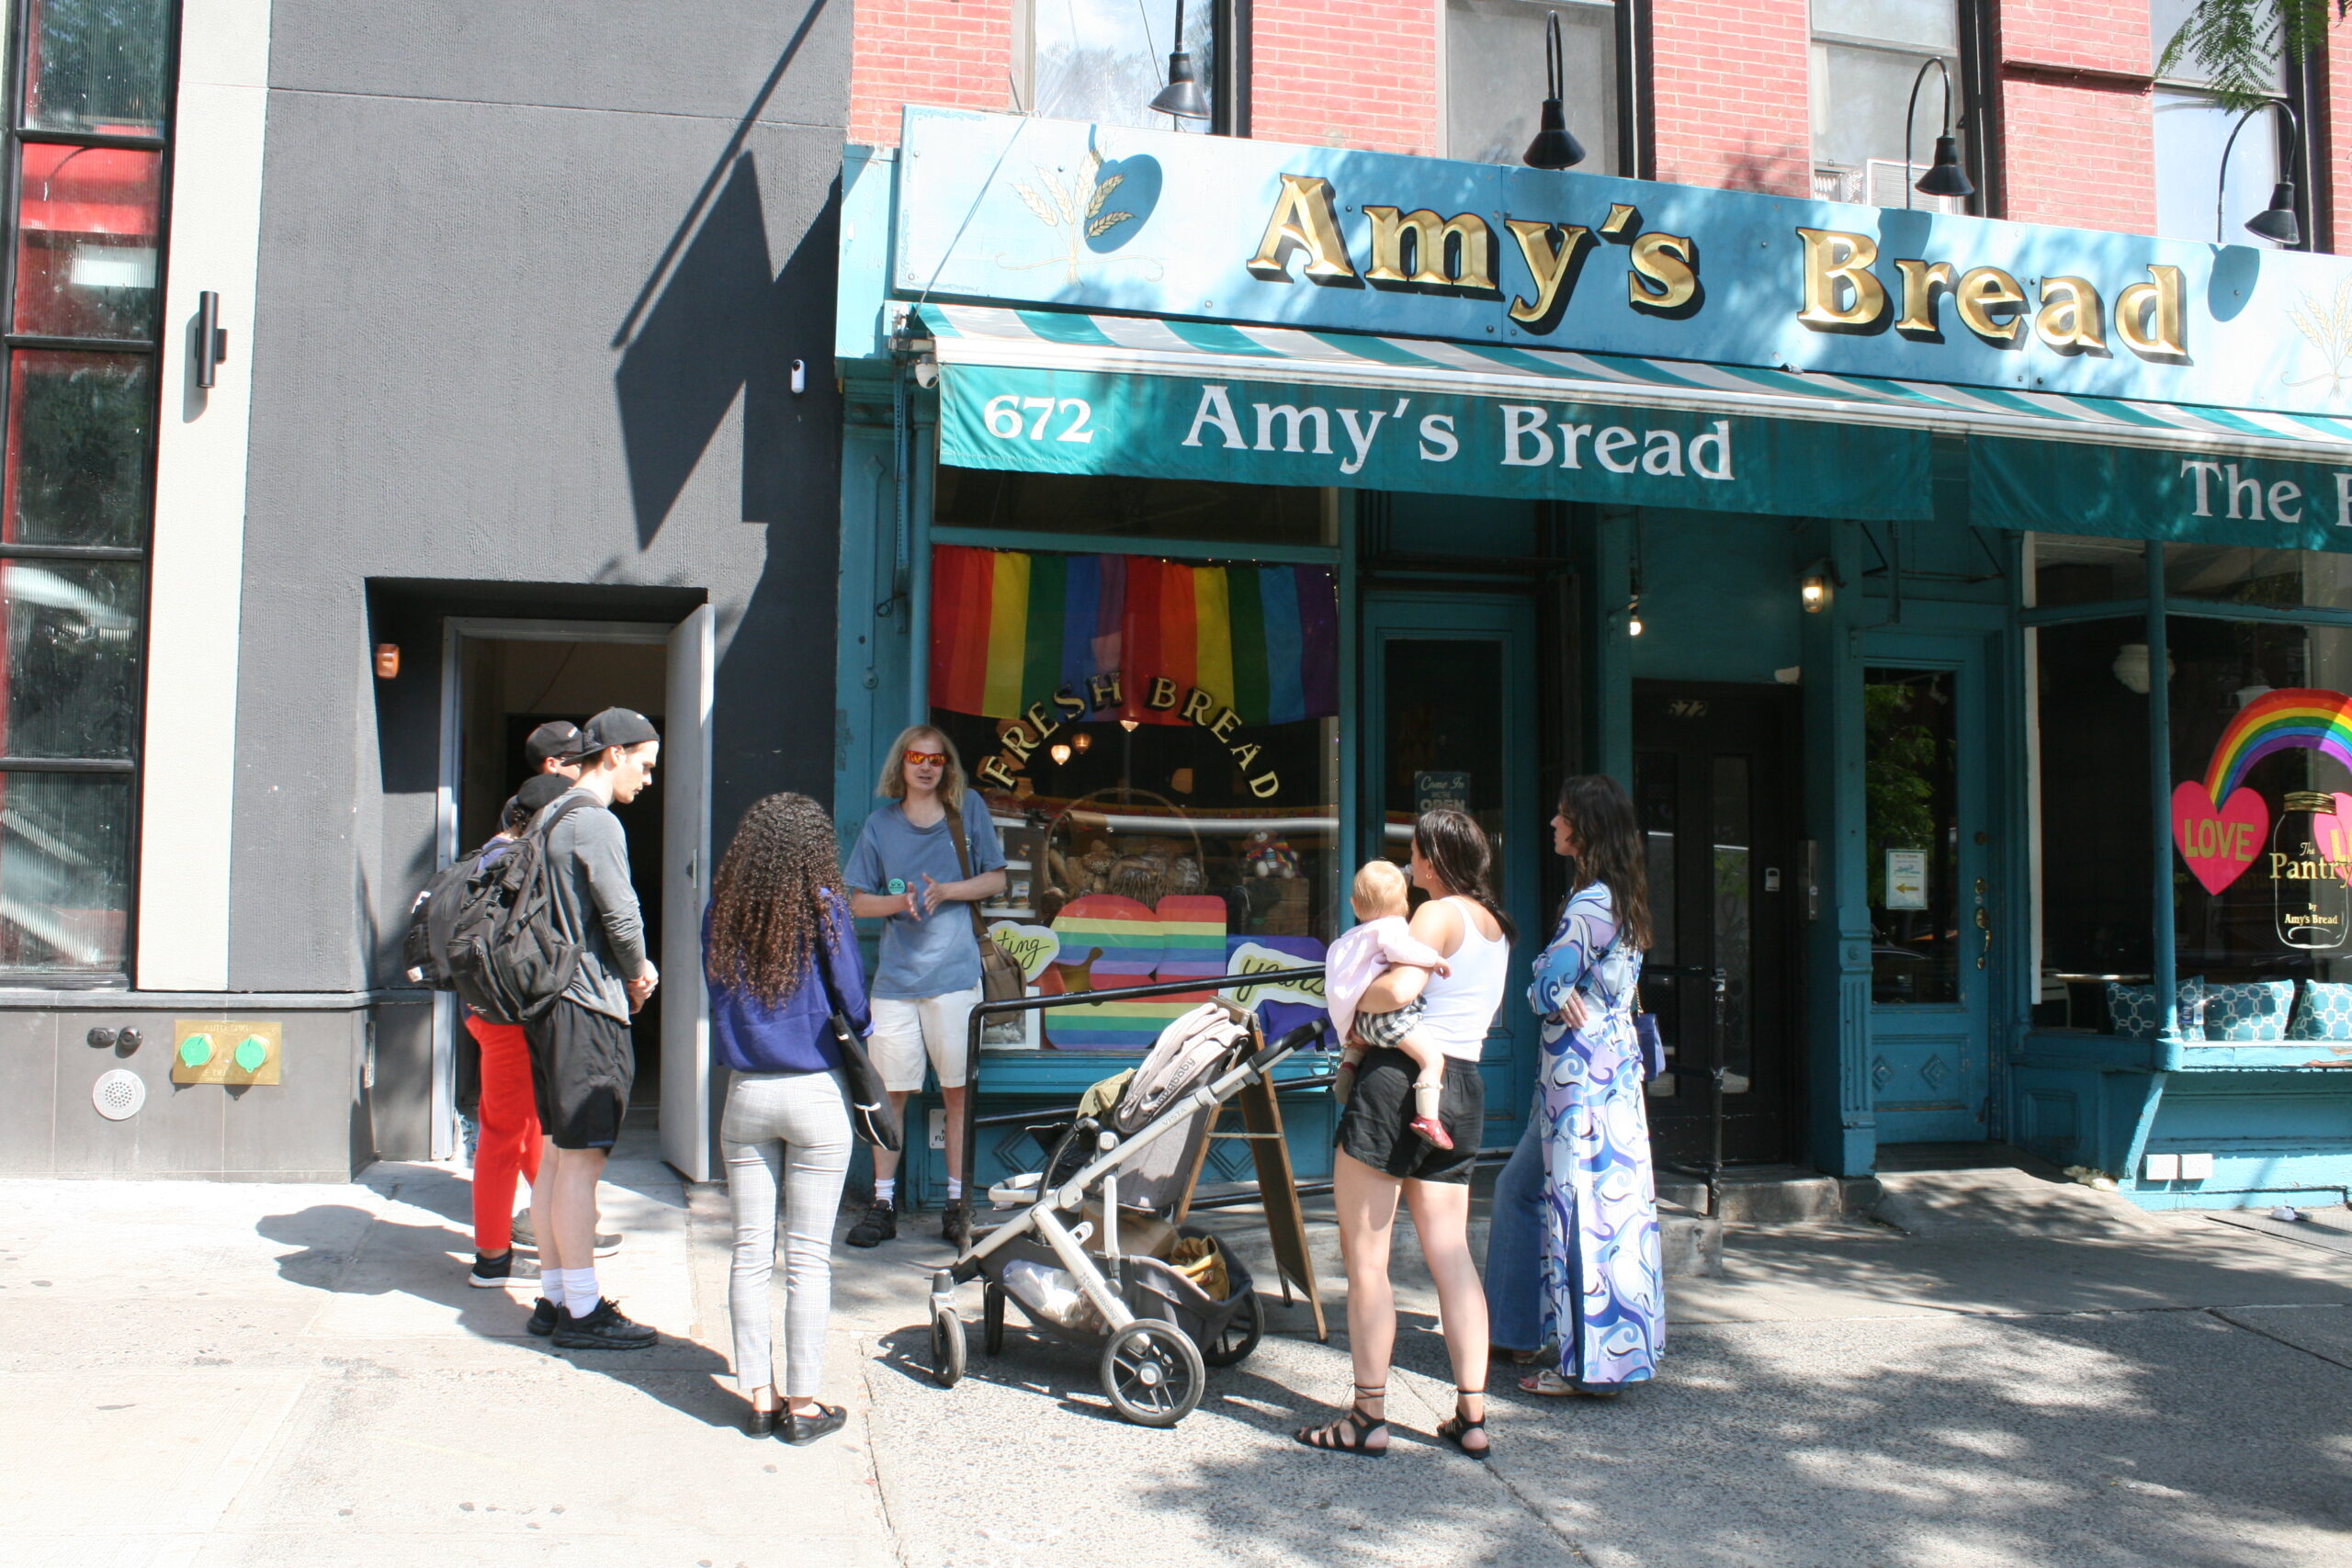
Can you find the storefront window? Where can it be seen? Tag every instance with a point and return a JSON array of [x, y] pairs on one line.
[[2191, 133], [1495, 83], [98, 65], [1866, 55], [2095, 864], [1115, 507], [1104, 61], [1157, 741], [2087, 570]]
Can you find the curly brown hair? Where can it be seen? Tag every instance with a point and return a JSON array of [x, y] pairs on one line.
[[768, 908]]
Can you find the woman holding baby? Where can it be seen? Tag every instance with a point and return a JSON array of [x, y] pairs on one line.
[[1384, 1156]]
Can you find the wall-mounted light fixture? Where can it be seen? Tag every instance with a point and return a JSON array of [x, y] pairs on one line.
[[1634, 615], [1945, 175], [1129, 725], [2276, 221], [388, 661], [1553, 148], [1817, 587], [1183, 96], [212, 339]]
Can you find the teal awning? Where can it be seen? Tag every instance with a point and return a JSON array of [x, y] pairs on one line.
[[1063, 392]]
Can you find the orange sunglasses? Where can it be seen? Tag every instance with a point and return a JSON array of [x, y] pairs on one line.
[[938, 759]]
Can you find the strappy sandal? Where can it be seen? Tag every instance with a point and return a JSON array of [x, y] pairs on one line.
[[1358, 1423], [1552, 1385], [1457, 1429]]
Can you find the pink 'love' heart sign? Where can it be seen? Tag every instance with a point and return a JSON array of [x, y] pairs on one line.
[[2332, 836], [2218, 844]]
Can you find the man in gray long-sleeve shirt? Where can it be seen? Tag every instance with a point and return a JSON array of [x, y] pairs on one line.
[[582, 1062]]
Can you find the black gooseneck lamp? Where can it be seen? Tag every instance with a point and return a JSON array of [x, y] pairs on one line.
[[1553, 148], [1946, 175], [2276, 221], [1183, 96]]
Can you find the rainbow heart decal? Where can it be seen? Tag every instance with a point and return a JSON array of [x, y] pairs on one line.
[[2220, 844]]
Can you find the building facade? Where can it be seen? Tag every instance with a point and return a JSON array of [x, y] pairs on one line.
[[383, 381], [1952, 577]]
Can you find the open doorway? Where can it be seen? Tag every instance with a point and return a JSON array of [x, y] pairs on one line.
[[505, 678]]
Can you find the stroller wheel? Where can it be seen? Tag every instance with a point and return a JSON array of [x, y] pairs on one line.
[[992, 1319], [1239, 1335], [946, 1347], [1152, 1373]]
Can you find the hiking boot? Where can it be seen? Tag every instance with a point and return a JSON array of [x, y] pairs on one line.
[[955, 1224], [881, 1224], [606, 1328], [545, 1315], [491, 1272], [608, 1242]]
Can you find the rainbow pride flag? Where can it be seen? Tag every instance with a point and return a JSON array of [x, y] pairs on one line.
[[1011, 626]]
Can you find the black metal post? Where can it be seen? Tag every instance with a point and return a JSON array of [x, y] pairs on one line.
[[1722, 980]]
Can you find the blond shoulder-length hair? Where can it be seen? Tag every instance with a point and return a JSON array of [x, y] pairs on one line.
[[892, 786]]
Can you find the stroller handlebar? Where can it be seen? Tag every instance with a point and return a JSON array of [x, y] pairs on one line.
[[1290, 1044]]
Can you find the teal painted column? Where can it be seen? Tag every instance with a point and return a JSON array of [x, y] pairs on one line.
[[1607, 560], [1843, 1124]]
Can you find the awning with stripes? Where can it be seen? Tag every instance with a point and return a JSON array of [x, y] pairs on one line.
[[1058, 391]]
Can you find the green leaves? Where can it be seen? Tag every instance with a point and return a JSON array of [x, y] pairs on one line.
[[2232, 47]]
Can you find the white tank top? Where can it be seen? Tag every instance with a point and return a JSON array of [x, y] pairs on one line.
[[1457, 1008]]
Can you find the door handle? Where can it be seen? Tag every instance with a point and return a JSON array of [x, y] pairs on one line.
[[1984, 924]]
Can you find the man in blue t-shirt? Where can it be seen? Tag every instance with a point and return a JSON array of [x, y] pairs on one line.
[[906, 869]]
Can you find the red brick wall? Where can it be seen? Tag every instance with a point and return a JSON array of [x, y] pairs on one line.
[[1730, 94], [1347, 73], [2332, 135], [2077, 122], [946, 53]]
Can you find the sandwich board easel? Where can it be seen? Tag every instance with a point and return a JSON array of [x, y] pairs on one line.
[[1261, 1121]]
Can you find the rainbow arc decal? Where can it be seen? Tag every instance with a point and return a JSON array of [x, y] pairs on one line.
[[2298, 718]]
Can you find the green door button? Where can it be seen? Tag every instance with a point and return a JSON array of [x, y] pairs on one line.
[[251, 1052], [196, 1050]]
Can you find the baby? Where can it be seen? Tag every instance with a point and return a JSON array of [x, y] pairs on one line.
[[1360, 957]]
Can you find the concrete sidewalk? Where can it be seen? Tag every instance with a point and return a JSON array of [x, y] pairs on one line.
[[2023, 1373]]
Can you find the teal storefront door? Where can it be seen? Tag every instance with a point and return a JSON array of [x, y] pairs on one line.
[[1928, 849], [1449, 718]]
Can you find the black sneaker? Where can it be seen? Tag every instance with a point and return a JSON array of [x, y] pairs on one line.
[[608, 1242], [604, 1329], [955, 1224], [545, 1315], [881, 1224], [494, 1271]]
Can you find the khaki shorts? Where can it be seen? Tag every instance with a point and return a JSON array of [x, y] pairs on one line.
[[906, 1034]]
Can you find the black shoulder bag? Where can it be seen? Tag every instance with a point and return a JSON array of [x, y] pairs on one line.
[[871, 1114]]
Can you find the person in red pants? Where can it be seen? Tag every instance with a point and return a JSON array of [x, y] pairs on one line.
[[509, 1142]]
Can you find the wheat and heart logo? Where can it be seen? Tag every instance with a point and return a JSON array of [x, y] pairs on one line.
[[2219, 825]]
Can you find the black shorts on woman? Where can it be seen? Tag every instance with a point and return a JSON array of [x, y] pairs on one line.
[[1375, 1129]]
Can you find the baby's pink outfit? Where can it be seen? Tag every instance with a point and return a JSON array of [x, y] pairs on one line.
[[1361, 955]]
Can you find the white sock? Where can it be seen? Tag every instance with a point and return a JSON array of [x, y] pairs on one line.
[[581, 1294], [954, 1191], [886, 1190]]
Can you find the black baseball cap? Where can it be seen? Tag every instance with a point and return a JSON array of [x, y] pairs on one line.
[[617, 727], [540, 790], [557, 738]]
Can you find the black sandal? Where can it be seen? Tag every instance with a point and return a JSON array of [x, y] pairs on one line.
[[1358, 1423], [1457, 1428]]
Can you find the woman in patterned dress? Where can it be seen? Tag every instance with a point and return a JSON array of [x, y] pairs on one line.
[[1602, 1286]]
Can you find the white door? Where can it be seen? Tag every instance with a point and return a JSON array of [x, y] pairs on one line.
[[686, 858]]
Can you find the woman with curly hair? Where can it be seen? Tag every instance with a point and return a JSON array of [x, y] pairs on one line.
[[780, 955]]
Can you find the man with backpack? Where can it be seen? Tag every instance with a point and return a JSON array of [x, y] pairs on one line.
[[582, 1062]]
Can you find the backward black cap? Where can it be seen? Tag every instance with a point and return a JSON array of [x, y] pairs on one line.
[[617, 727]]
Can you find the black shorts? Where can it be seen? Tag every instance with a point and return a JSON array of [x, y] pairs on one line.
[[1374, 1126], [582, 1067]]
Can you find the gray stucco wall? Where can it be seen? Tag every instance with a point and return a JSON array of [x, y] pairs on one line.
[[530, 280]]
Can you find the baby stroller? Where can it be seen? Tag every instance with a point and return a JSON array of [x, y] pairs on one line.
[[1097, 1257]]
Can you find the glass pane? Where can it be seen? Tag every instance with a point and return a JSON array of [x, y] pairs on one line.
[[1444, 724], [1735, 903], [1104, 61], [1655, 784], [2165, 18], [2087, 570], [1857, 105], [1930, 24], [2238, 575], [1495, 80], [2190, 133], [1912, 837], [79, 425], [98, 65], [71, 630], [86, 249], [2095, 823], [1115, 507], [64, 871]]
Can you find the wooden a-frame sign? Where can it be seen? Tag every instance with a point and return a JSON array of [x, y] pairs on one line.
[[1261, 1121]]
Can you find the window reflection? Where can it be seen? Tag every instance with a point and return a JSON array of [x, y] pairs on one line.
[[85, 240], [98, 65], [64, 871], [71, 630], [78, 430]]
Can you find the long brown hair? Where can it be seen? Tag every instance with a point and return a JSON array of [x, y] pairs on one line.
[[767, 902], [1609, 850], [1456, 849]]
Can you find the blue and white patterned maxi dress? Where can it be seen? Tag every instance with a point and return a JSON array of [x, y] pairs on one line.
[[1604, 1301]]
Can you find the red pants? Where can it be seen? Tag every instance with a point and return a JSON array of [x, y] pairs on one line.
[[509, 1141]]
